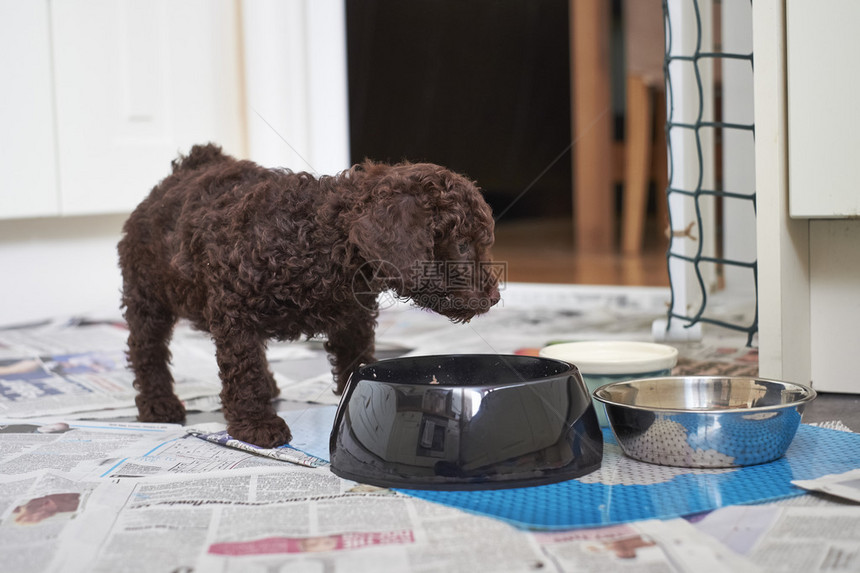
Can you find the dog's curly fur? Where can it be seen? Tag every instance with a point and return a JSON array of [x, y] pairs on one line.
[[248, 254]]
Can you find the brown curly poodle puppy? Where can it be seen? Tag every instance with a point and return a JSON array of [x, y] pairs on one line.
[[248, 254]]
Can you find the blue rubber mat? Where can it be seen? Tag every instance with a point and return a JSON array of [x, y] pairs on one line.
[[625, 490]]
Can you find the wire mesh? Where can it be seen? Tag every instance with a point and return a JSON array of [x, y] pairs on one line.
[[698, 192]]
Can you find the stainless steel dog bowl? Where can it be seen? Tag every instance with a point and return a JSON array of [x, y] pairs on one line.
[[472, 421], [704, 422]]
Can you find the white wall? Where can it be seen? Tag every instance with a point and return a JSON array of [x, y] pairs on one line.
[[295, 51], [59, 266], [294, 65]]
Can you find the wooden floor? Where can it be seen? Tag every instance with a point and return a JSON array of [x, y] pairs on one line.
[[543, 250]]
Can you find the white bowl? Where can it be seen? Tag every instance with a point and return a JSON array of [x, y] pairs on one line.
[[602, 362]]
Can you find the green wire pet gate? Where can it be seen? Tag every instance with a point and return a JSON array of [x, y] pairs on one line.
[[701, 139]]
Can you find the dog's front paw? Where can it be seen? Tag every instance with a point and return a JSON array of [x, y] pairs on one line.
[[267, 433], [163, 408]]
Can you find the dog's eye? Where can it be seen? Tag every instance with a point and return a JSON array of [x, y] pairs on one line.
[[463, 248]]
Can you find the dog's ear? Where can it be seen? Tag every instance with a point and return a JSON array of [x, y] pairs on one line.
[[394, 232]]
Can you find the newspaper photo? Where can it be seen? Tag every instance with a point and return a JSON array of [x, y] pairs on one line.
[[36, 510]]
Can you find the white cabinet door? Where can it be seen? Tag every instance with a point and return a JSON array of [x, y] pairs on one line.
[[136, 83], [28, 175], [823, 115]]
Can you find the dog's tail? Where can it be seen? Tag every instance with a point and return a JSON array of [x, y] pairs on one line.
[[198, 156]]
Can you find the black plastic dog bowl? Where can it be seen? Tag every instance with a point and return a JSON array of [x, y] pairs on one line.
[[472, 421]]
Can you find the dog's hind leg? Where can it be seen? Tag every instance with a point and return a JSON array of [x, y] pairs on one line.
[[150, 327], [248, 389]]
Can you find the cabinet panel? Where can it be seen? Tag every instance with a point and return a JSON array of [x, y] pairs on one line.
[[136, 83], [834, 252], [823, 116], [27, 150]]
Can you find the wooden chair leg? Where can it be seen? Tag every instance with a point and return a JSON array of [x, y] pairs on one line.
[[594, 197], [660, 162], [638, 163]]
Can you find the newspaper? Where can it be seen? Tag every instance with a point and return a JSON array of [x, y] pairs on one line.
[[845, 485], [82, 368], [807, 534], [131, 487], [217, 434], [294, 518], [100, 495], [653, 546], [33, 444], [36, 510], [288, 519], [113, 492]]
